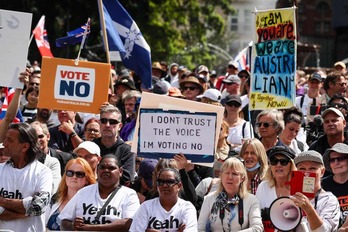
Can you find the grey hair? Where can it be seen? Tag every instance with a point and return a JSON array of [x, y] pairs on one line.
[[277, 119], [111, 109], [128, 94]]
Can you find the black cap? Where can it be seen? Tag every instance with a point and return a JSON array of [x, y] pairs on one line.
[[233, 97], [316, 76], [126, 82], [281, 150]]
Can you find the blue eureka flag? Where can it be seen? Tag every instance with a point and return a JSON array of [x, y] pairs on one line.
[[74, 36], [125, 37]]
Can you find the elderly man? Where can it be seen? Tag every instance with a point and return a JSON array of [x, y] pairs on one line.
[[68, 134], [336, 162], [105, 206], [89, 151], [25, 183], [334, 124], [322, 212], [51, 162], [111, 143]]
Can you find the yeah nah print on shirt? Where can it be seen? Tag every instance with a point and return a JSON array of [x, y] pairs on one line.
[[170, 223], [92, 211]]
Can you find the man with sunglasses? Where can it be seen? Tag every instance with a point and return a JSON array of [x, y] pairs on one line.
[[25, 183], [110, 141], [191, 87], [232, 85], [232, 69], [336, 162]]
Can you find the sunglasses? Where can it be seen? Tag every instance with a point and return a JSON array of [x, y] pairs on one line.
[[283, 162], [233, 103], [243, 76], [265, 124], [110, 120], [41, 136], [339, 159], [190, 88], [78, 174], [169, 182], [342, 84]]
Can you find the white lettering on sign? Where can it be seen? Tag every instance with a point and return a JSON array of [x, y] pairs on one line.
[[74, 83], [163, 132]]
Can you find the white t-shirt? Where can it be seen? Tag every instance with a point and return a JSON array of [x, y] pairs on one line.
[[235, 134], [265, 194], [23, 184], [305, 104], [87, 202], [152, 215]]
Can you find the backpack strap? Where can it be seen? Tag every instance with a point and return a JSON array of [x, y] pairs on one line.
[[243, 128]]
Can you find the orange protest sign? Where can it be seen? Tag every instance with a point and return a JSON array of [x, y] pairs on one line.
[[66, 86]]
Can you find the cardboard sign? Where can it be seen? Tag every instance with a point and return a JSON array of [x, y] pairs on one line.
[[166, 133], [173, 125], [274, 65], [81, 88], [14, 38], [302, 182]]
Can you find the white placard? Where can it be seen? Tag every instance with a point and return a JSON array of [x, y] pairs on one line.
[[14, 38], [177, 132]]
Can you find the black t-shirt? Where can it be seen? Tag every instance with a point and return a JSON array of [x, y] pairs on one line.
[[340, 191]]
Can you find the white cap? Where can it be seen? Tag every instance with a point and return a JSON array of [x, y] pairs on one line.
[[212, 94], [89, 146]]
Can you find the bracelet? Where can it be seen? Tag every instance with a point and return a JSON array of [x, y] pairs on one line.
[[72, 135]]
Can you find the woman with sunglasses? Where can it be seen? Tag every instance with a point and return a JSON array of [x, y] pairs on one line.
[[167, 212], [187, 192], [336, 162], [275, 183], [231, 207], [78, 174], [293, 119], [269, 124], [255, 161], [239, 129]]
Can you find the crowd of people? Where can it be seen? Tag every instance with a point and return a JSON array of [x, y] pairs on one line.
[[66, 170]]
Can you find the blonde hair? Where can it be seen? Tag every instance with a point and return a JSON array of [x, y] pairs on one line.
[[270, 177], [260, 152], [62, 192], [235, 164]]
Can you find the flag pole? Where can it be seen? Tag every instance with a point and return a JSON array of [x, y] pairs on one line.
[[32, 34], [83, 41], [105, 39], [102, 22]]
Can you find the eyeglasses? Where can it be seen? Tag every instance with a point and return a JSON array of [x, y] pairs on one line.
[[283, 162], [190, 88], [232, 83], [233, 103], [78, 174], [169, 182], [265, 124], [339, 159], [110, 120], [41, 136], [93, 130]]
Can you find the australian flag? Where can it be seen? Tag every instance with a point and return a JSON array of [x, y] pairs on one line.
[[74, 36], [9, 93], [125, 37]]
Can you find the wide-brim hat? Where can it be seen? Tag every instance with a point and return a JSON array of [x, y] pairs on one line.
[[193, 80], [341, 148]]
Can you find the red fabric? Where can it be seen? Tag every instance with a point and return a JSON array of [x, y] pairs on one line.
[[41, 38]]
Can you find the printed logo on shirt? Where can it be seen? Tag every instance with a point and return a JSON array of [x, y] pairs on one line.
[[166, 224], [92, 210], [8, 194]]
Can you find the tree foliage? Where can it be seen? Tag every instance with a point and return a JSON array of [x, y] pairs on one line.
[[176, 30]]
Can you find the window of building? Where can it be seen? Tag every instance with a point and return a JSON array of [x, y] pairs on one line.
[[324, 8], [234, 21]]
